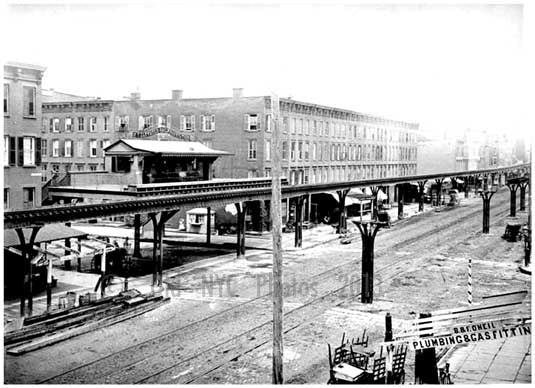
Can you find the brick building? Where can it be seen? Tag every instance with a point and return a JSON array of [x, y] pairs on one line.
[[22, 135], [320, 144]]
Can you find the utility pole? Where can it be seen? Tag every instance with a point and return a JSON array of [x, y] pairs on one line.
[[276, 231]]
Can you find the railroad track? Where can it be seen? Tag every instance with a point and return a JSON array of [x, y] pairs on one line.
[[291, 322], [140, 362]]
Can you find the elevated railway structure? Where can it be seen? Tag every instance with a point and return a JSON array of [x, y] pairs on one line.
[[161, 201]]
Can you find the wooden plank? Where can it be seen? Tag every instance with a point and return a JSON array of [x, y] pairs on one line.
[[465, 312], [58, 337]]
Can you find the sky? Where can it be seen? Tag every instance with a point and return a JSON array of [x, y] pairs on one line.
[[447, 67]]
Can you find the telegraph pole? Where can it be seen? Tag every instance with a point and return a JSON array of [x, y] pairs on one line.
[[276, 230]]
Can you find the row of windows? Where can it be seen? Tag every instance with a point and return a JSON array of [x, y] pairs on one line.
[[28, 101], [22, 151], [300, 150], [71, 124], [69, 148], [345, 173], [301, 126]]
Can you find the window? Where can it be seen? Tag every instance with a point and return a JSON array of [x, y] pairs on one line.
[[285, 124], [306, 145], [54, 123], [6, 198], [145, 122], [67, 147], [93, 149], [252, 122], [6, 151], [268, 123], [106, 121], [314, 150], [68, 124], [268, 150], [120, 164], [121, 123], [55, 148], [251, 149], [92, 124], [284, 150], [208, 122], [28, 145], [300, 150], [300, 126], [187, 122], [28, 101], [6, 99], [292, 126], [44, 147], [80, 148], [92, 167], [81, 126], [307, 127], [293, 150], [28, 197]]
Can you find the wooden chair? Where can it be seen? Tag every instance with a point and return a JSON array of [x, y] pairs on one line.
[[378, 375], [398, 365]]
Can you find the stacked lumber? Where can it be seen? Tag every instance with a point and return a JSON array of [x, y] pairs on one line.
[[47, 329]]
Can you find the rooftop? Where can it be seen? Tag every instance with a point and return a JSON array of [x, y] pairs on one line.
[[165, 147]]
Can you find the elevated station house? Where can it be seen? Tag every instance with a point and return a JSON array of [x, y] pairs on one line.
[[320, 143], [134, 167]]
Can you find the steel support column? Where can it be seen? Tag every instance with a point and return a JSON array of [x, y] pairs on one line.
[[439, 191], [375, 191], [513, 187], [241, 208], [421, 188], [208, 224], [137, 235], [400, 201], [342, 223], [27, 286], [67, 241], [298, 226], [368, 231], [523, 185], [486, 196], [157, 247]]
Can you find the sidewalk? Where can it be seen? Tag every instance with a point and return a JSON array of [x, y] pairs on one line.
[[505, 361]]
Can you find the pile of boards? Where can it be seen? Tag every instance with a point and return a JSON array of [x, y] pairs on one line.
[[47, 329]]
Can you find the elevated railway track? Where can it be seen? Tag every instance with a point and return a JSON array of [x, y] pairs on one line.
[[154, 199]]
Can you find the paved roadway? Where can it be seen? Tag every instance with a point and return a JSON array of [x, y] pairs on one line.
[[224, 337]]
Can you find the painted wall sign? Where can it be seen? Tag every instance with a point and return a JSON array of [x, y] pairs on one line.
[[467, 337]]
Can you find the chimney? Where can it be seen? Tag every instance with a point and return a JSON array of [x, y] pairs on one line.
[[237, 93], [135, 96], [176, 94]]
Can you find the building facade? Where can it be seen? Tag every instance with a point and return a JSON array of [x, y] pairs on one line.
[[320, 144], [22, 135]]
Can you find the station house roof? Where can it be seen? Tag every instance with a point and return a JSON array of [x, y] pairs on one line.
[[163, 147]]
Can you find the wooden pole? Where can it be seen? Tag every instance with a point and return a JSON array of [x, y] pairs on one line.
[[276, 215], [48, 282]]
